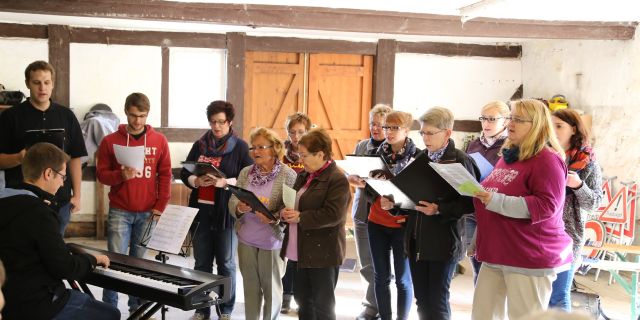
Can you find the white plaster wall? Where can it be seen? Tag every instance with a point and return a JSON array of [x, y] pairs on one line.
[[603, 79], [196, 77], [15, 55], [462, 84], [109, 73]]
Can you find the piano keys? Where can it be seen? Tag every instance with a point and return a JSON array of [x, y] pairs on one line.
[[163, 284]]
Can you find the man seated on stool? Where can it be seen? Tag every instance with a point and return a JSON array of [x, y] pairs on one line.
[[35, 256]]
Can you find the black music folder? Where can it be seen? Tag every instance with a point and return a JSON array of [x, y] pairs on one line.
[[53, 136], [251, 200], [202, 168]]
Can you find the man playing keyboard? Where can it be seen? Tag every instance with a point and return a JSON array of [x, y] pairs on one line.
[[34, 253]]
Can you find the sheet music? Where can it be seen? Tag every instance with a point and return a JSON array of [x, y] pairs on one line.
[[483, 164], [360, 166], [458, 177], [386, 187], [132, 157], [288, 196], [172, 228]]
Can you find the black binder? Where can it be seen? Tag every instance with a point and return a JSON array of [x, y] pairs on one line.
[[53, 136], [202, 168], [251, 200]]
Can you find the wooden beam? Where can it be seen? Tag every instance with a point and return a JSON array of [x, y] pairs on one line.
[[14, 30], [148, 38], [329, 19], [461, 49], [281, 44], [59, 58], [181, 134], [384, 72], [467, 125], [164, 91], [236, 48]]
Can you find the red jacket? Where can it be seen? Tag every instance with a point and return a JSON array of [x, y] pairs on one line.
[[149, 189]]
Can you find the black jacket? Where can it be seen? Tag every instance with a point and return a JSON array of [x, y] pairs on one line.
[[35, 257], [437, 238]]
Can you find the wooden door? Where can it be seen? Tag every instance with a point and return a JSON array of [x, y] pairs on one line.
[[273, 89], [340, 97]]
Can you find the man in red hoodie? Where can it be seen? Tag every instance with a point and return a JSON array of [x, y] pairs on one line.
[[136, 197]]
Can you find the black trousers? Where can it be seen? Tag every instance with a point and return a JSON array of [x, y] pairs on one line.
[[314, 291]]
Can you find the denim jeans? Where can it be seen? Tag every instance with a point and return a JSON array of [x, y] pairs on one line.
[[211, 245], [64, 215], [470, 225], [361, 234], [125, 231], [561, 289], [383, 241], [82, 306]]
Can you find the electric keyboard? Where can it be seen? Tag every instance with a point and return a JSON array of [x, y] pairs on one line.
[[164, 284]]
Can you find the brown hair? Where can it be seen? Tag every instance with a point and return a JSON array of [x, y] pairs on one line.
[[295, 118], [404, 119], [39, 65], [221, 106], [317, 140], [272, 137], [571, 117], [39, 158], [138, 100]]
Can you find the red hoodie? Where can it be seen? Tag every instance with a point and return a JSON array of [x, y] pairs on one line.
[[150, 189]]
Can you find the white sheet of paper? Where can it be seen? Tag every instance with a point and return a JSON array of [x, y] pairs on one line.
[[386, 187], [360, 166], [458, 177], [172, 228], [288, 196], [132, 157]]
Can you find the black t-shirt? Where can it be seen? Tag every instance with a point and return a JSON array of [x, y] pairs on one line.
[[16, 120]]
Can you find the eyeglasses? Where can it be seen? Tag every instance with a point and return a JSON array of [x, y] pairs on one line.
[[490, 119], [429, 134], [63, 176], [518, 120], [306, 155], [137, 116], [375, 125], [218, 122], [299, 133], [259, 148], [391, 128]]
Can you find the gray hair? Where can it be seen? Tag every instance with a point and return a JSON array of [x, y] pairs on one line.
[[439, 117]]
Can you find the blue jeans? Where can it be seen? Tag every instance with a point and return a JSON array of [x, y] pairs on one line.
[[64, 215], [383, 241], [470, 225], [125, 231], [219, 245], [82, 306], [561, 290], [361, 234]]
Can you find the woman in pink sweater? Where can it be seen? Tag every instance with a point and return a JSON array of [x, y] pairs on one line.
[[520, 237]]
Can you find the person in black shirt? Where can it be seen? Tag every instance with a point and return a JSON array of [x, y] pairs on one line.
[[39, 112], [35, 255]]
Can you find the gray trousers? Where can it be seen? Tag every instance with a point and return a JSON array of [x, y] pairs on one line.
[[366, 265], [262, 272]]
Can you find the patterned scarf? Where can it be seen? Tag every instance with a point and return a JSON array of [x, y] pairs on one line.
[[578, 159], [292, 155], [212, 147], [437, 155], [490, 141], [258, 178], [396, 161]]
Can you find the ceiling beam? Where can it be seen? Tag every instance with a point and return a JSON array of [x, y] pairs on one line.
[[328, 19]]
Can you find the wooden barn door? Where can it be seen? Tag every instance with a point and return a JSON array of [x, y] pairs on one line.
[[333, 89]]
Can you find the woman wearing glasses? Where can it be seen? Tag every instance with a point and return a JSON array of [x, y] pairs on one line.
[[386, 228], [259, 238], [520, 237], [432, 240], [493, 119], [583, 193], [297, 124], [315, 236], [214, 237]]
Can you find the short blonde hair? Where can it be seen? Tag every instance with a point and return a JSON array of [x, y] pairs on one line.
[[439, 117], [381, 110], [500, 106], [541, 134], [272, 137], [404, 119]]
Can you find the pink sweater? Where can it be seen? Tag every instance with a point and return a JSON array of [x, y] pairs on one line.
[[536, 243]]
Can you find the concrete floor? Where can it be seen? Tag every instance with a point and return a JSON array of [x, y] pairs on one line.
[[614, 300]]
